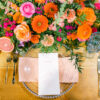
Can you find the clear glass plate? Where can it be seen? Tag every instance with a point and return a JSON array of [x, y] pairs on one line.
[[33, 86]]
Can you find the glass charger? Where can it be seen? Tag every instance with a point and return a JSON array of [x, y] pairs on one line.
[[32, 87]]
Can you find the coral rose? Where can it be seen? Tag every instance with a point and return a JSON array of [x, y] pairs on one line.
[[22, 32], [35, 39], [84, 32], [18, 17], [48, 40], [27, 9]]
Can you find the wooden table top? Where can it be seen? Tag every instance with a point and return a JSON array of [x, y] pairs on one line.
[[85, 89]]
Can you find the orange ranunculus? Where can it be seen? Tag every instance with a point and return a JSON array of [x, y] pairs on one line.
[[84, 32], [90, 15], [40, 1], [39, 23], [35, 39], [18, 17], [72, 36], [22, 32]]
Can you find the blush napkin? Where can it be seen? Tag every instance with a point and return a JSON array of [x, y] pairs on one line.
[[28, 70]]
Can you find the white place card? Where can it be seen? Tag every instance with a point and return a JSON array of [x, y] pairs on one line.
[[48, 74]]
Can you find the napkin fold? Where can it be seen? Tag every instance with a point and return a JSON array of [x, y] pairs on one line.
[[28, 70]]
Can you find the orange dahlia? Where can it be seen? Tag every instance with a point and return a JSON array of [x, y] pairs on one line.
[[84, 31], [39, 23], [50, 10], [40, 1], [90, 15]]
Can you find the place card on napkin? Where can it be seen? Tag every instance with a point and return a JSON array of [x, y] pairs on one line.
[[48, 74], [28, 69]]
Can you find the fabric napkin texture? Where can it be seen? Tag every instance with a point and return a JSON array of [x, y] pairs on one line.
[[28, 70]]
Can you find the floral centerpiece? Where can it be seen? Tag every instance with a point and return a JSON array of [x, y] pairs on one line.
[[46, 24]]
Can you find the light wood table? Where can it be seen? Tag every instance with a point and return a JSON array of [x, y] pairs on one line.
[[85, 89]]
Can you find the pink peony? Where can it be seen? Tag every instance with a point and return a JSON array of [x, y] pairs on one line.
[[27, 9]]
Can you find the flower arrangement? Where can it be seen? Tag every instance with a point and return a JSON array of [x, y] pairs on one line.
[[48, 24]]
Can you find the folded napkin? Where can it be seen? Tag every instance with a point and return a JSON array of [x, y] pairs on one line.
[[28, 70]]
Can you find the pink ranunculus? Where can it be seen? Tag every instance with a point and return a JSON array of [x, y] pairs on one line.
[[27, 9], [97, 6]]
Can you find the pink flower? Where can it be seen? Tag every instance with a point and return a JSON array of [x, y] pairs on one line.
[[52, 27], [81, 40], [94, 29], [38, 10], [59, 38], [68, 27], [97, 5], [8, 34], [27, 9], [60, 30], [48, 40], [5, 25], [61, 24], [6, 19], [13, 27], [0, 25]]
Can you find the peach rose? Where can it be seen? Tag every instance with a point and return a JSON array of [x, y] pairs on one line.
[[48, 40], [22, 32]]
